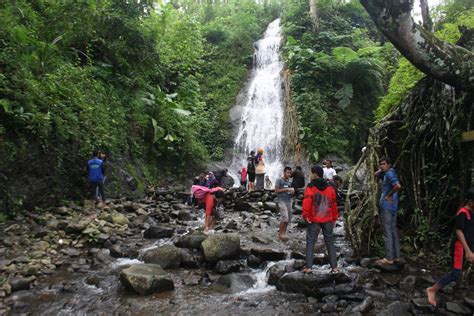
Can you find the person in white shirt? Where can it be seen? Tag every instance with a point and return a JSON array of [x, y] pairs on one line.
[[329, 171]]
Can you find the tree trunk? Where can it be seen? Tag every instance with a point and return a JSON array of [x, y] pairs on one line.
[[448, 63], [313, 13], [425, 15]]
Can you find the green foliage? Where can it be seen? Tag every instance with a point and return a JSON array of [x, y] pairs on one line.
[[406, 75], [337, 76], [151, 84]]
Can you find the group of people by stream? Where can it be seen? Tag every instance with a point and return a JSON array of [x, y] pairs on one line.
[[321, 197]]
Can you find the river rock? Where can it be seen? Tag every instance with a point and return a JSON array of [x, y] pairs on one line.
[[271, 206], [157, 232], [184, 215], [167, 256], [117, 218], [423, 305], [254, 261], [396, 308], [242, 206], [189, 259], [365, 306], [458, 308], [235, 282], [315, 284], [267, 254], [76, 227], [221, 247], [192, 240], [224, 267], [19, 283], [72, 252], [408, 283], [146, 279]]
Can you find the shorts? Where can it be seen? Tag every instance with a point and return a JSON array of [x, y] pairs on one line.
[[251, 177], [285, 211]]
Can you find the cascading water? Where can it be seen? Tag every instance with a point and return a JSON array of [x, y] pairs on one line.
[[262, 115]]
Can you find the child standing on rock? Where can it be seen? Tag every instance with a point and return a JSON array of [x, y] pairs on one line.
[[461, 246]]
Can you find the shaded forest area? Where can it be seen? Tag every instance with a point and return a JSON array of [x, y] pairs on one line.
[[151, 85]]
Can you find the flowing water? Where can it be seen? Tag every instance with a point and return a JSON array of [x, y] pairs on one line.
[[262, 110]]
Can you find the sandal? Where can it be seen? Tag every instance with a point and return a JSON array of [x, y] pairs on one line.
[[307, 270]]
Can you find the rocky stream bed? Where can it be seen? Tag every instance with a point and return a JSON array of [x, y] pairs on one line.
[[150, 256]]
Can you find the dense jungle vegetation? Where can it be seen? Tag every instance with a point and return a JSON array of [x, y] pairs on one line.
[[152, 84]]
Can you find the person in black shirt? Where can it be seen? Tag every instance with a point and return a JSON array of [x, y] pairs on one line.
[[461, 246], [251, 170], [298, 178]]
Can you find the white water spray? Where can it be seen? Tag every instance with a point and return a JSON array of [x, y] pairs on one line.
[[262, 116]]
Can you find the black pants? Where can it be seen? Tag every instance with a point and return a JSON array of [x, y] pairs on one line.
[[94, 187]]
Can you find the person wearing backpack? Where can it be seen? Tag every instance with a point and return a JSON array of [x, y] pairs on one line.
[[95, 171], [320, 212], [251, 170], [260, 169], [462, 246]]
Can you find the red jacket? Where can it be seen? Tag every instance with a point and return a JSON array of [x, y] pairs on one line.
[[320, 202]]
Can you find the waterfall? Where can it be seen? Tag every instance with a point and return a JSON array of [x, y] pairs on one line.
[[261, 121]]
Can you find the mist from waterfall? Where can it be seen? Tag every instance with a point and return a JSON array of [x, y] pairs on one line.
[[262, 115]]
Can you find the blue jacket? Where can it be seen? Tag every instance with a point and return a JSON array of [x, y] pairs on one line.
[[95, 170]]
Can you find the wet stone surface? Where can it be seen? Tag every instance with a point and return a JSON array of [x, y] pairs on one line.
[[78, 270]]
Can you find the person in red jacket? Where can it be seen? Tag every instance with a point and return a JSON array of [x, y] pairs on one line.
[[320, 211]]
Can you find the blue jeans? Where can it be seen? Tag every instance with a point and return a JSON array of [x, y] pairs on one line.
[[312, 233], [390, 234], [453, 276]]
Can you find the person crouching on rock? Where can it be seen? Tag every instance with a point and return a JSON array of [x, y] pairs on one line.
[[461, 246], [284, 192], [320, 211], [214, 208]]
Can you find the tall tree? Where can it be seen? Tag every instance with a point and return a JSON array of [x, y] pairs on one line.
[[448, 63], [425, 15], [313, 13]]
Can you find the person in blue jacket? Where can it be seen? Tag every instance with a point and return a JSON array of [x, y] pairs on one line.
[[96, 172]]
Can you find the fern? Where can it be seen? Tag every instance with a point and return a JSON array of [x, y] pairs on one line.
[[344, 95]]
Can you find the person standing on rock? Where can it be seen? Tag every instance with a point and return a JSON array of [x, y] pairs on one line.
[[388, 211], [95, 170], [284, 192], [320, 212], [329, 171], [243, 177], [102, 156], [298, 181], [260, 169], [461, 245], [214, 208], [251, 170]]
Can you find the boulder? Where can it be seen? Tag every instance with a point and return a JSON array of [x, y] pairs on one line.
[[192, 240], [254, 261], [242, 206], [117, 218], [396, 308], [167, 256], [19, 283], [235, 282], [315, 284], [227, 266], [146, 279], [157, 232], [221, 247], [185, 215], [267, 254], [458, 308]]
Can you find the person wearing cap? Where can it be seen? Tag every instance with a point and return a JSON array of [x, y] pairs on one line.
[[320, 212]]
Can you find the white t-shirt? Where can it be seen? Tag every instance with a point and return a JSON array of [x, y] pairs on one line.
[[329, 173]]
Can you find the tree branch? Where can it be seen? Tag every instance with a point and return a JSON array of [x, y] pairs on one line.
[[448, 63], [425, 15]]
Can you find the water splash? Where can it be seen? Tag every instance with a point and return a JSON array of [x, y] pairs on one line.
[[262, 116]]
